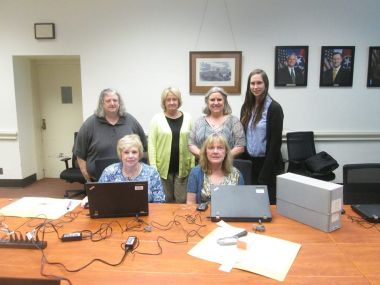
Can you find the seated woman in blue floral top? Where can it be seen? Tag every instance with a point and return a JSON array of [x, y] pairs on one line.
[[215, 168], [130, 151]]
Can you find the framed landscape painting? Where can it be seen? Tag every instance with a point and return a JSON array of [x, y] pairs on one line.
[[215, 68]]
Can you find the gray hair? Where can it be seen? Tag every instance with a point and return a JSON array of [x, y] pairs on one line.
[[100, 110], [226, 110]]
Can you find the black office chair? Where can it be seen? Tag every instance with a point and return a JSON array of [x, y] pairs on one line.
[[73, 174], [361, 183], [245, 167], [301, 147], [101, 164]]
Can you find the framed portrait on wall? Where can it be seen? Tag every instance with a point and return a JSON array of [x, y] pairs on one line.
[[215, 68], [337, 66], [291, 66], [373, 76]]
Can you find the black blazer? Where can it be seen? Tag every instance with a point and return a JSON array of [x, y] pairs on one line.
[[342, 78], [273, 163]]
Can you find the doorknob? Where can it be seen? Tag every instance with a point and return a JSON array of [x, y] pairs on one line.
[[43, 126]]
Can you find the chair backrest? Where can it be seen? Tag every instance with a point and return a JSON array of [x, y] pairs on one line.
[[73, 173], [361, 183], [74, 160], [300, 145], [245, 167], [101, 164]]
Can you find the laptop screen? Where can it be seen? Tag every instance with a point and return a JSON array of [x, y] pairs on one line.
[[240, 203], [117, 199]]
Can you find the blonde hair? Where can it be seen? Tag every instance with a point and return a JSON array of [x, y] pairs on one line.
[[128, 141], [170, 91], [227, 161]]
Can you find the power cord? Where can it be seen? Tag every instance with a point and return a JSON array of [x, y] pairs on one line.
[[363, 222]]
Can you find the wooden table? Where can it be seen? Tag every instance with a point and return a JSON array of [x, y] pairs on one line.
[[350, 255]]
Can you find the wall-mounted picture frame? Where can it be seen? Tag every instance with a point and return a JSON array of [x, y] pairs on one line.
[[373, 76], [215, 68], [44, 31], [291, 66], [337, 66]]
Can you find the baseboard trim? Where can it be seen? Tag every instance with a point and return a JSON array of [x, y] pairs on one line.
[[18, 182]]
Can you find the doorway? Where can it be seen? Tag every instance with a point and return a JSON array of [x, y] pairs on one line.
[[56, 96], [59, 95]]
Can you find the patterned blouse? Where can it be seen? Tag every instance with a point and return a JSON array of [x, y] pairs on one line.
[[231, 179], [114, 173], [231, 129]]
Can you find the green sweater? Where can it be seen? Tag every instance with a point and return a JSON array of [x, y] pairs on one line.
[[160, 141]]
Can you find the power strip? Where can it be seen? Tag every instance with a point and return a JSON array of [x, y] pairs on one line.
[[22, 243]]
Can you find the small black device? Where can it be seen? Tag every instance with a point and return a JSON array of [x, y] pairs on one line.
[[130, 242], [202, 207], [72, 236]]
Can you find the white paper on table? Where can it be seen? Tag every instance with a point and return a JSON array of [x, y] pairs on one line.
[[267, 256], [40, 207]]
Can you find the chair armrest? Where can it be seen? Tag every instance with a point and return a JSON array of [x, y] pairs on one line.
[[66, 160]]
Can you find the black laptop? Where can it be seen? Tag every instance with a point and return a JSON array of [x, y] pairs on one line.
[[117, 199], [369, 212], [240, 203]]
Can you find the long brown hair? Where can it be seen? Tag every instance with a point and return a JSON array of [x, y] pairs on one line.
[[250, 100]]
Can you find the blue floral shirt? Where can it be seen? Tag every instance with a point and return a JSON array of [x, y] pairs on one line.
[[114, 173]]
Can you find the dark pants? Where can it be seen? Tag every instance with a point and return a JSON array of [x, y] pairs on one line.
[[257, 165]]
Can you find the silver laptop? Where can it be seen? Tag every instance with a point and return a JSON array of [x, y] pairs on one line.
[[117, 199], [240, 203]]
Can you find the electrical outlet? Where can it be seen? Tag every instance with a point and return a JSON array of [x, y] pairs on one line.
[[1, 171]]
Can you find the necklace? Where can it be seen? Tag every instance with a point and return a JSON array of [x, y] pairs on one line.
[[133, 174]]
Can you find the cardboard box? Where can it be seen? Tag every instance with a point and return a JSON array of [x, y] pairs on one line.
[[310, 201]]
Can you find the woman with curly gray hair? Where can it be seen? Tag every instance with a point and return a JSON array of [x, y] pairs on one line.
[[98, 136]]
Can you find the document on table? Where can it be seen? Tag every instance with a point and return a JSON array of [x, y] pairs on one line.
[[39, 207], [264, 255]]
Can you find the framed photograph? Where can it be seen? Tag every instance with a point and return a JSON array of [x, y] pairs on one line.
[[373, 77], [215, 68], [337, 66], [44, 31], [291, 66]]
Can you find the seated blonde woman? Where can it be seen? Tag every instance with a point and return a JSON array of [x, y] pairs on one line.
[[215, 168], [130, 151]]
